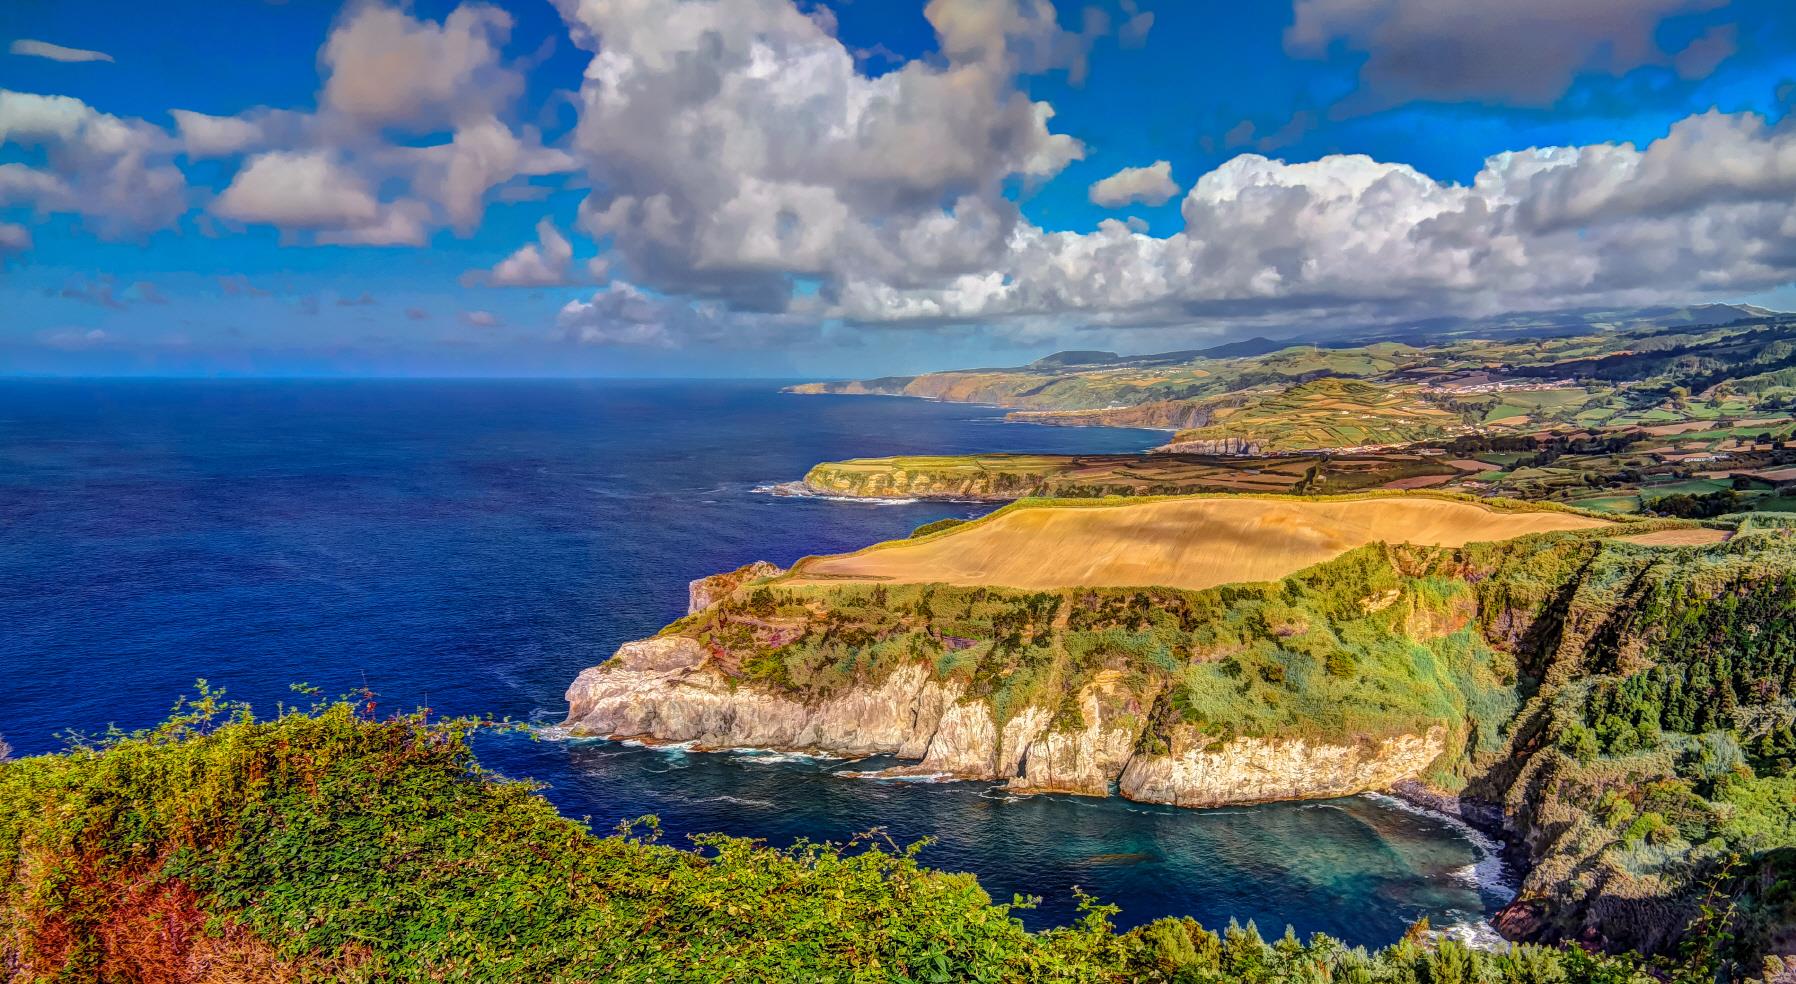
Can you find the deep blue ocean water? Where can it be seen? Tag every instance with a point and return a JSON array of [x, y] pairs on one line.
[[471, 546]]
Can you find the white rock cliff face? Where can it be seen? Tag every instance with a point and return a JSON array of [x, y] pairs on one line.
[[664, 689], [661, 689], [1086, 761], [704, 592], [1260, 770]]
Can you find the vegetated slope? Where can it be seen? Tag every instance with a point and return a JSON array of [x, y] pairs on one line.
[[1304, 397], [1189, 543], [1622, 709], [1324, 413], [1015, 476], [324, 846]]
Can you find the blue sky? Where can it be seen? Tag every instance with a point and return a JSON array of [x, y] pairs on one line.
[[624, 187]]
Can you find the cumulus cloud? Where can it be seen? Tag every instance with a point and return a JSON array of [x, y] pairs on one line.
[[480, 156], [56, 52], [482, 319], [14, 238], [736, 145], [1135, 26], [625, 315], [205, 136], [116, 173], [1524, 52], [543, 263], [347, 174], [746, 168], [72, 339], [309, 190], [320, 177], [1710, 208], [387, 68], [1151, 185]]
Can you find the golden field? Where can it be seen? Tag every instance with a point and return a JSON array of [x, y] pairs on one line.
[[1190, 543]]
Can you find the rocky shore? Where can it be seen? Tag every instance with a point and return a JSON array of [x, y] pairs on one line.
[[670, 689]]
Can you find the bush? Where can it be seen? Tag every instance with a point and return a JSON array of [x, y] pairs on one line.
[[327, 846]]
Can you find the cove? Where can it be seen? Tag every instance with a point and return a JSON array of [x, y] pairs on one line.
[[471, 546]]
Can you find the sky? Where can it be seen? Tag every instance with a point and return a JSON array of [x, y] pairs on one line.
[[798, 188]]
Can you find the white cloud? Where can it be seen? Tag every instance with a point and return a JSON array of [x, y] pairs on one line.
[[56, 52], [736, 144], [1151, 185], [351, 182], [625, 315], [72, 339], [483, 154], [387, 68], [1525, 52], [1709, 209], [482, 319], [298, 190], [203, 136], [741, 158], [1134, 30], [540, 264], [398, 223], [116, 173], [14, 238]]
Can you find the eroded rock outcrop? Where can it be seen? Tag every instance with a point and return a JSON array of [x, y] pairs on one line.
[[704, 592], [666, 689], [663, 689], [1200, 772], [1087, 761]]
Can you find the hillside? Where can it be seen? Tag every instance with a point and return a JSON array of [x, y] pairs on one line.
[[1612, 700], [1189, 543], [1003, 477], [326, 846], [1324, 413], [1654, 371]]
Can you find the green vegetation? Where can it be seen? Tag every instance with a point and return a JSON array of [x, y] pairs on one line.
[[1324, 413], [928, 529], [1610, 413], [327, 846], [1016, 476], [1630, 705], [1603, 379]]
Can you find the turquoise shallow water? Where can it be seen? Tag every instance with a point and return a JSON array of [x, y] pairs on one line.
[[473, 545]]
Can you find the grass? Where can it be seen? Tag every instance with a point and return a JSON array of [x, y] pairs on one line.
[[1693, 537], [1620, 504], [1189, 543], [1013, 476], [1327, 413], [1697, 486]]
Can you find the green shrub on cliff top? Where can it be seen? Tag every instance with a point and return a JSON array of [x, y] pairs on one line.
[[327, 846]]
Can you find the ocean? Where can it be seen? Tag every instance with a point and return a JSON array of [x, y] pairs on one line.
[[470, 546]]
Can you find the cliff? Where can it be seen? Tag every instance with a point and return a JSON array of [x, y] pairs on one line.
[[702, 593], [1199, 772], [324, 845], [1004, 477], [1616, 708], [1157, 415], [668, 689]]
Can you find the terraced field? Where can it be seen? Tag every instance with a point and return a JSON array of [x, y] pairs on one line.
[[1325, 413], [1014, 476], [1190, 543]]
